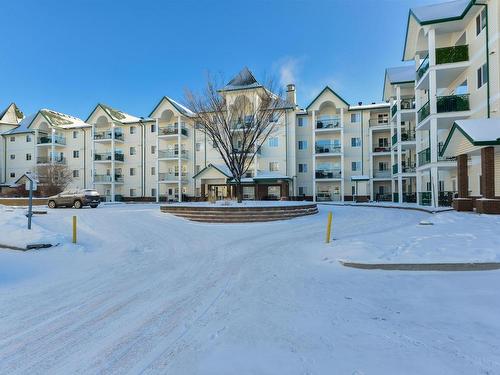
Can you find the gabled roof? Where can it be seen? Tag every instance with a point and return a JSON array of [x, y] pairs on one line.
[[479, 132], [327, 88], [179, 107], [243, 80], [222, 168], [11, 115], [436, 13], [115, 114], [23, 125], [55, 119]]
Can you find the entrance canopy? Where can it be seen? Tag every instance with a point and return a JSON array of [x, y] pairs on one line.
[[469, 136]]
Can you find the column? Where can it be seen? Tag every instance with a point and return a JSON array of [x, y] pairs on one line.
[[393, 158], [371, 162], [313, 153], [342, 168], [35, 148], [53, 146], [179, 160], [92, 136], [112, 162], [399, 149], [488, 172], [433, 144], [462, 176], [157, 161]]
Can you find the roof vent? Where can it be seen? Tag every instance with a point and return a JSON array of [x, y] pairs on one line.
[[360, 103]]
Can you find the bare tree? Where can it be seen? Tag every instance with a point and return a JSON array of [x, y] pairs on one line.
[[53, 178], [237, 124]]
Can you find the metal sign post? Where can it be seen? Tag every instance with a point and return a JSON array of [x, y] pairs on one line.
[[30, 206]]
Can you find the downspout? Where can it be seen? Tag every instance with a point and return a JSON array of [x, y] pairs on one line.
[[143, 173], [84, 158], [487, 59], [5, 158], [362, 154]]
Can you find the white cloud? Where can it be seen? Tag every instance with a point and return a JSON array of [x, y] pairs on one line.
[[288, 69]]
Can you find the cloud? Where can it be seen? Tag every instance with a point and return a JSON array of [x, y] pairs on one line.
[[288, 69]]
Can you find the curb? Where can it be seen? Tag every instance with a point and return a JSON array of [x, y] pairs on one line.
[[2, 246], [479, 266], [429, 211]]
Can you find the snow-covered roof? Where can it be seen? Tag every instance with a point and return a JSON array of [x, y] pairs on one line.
[[23, 125], [115, 114], [360, 178], [400, 74], [222, 168], [243, 80], [11, 115], [62, 120], [479, 132], [441, 11], [369, 106], [179, 107]]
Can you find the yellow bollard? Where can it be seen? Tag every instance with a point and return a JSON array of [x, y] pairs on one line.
[[329, 227], [74, 229]]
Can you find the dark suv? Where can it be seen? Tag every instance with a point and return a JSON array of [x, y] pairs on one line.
[[75, 198]]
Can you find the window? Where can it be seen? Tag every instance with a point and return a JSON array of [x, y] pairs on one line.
[[132, 150], [153, 192], [132, 171], [76, 173], [28, 138], [302, 121], [153, 171], [480, 21], [198, 146], [12, 139], [355, 117], [12, 174], [132, 130], [302, 145], [482, 76], [153, 149], [12, 156], [462, 88], [75, 134], [274, 166], [28, 156], [153, 128], [381, 190], [302, 190], [76, 154], [383, 142], [355, 166], [302, 168], [383, 118], [383, 166], [273, 142], [132, 192], [353, 190], [355, 142]]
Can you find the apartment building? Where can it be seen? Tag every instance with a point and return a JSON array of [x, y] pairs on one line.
[[329, 150], [455, 47]]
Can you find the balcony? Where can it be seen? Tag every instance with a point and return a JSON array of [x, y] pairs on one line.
[[171, 177], [172, 130], [448, 55], [328, 173], [328, 123], [424, 156], [453, 103], [172, 154], [48, 160], [328, 148], [379, 122], [107, 179], [424, 112], [47, 140], [107, 135], [382, 174], [408, 169], [423, 68], [108, 156]]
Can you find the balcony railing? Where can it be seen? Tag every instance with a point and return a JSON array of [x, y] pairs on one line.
[[170, 176], [328, 173], [107, 178], [395, 168], [325, 148], [383, 197], [58, 139], [453, 54], [409, 197], [172, 130], [49, 160], [382, 173], [408, 136], [328, 123], [424, 66], [408, 169], [425, 198], [394, 109], [107, 156], [424, 112], [424, 156], [394, 139], [108, 134], [379, 122], [381, 149], [408, 103], [445, 198], [453, 103], [166, 154]]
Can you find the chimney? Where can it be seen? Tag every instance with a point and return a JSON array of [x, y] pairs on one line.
[[291, 94]]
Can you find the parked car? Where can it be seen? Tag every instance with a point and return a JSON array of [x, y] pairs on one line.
[[75, 198]]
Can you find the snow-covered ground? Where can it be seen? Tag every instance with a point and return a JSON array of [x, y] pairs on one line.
[[146, 292]]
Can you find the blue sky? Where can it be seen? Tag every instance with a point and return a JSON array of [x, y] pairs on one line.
[[69, 55]]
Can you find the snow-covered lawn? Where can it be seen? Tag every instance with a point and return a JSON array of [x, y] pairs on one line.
[[146, 292]]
